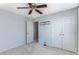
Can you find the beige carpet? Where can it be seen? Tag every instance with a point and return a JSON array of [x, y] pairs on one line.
[[36, 49]]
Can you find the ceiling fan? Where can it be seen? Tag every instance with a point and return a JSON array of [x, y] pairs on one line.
[[33, 6]]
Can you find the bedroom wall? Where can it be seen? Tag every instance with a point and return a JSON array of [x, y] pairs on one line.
[[12, 30]]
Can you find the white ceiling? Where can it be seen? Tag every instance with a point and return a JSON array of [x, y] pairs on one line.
[[52, 8]]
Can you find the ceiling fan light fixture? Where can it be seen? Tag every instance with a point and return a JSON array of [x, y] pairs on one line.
[[33, 6]]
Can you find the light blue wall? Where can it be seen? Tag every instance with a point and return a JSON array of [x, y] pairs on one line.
[[12, 30]]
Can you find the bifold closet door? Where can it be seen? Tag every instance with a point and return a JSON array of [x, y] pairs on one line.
[[63, 34], [57, 34], [69, 39]]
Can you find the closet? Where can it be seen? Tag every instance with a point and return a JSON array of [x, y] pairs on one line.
[[59, 33], [60, 30], [63, 34], [45, 36]]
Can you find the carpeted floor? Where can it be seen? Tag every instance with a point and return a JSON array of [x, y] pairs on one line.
[[36, 49]]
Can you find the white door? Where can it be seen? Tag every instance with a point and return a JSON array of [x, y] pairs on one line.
[[69, 39], [57, 33], [29, 31], [63, 34], [45, 35]]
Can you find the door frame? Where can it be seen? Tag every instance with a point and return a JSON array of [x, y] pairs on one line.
[[25, 32], [37, 30]]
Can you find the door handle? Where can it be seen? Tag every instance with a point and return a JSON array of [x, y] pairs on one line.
[[61, 34]]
